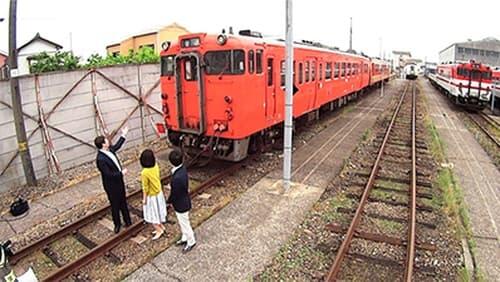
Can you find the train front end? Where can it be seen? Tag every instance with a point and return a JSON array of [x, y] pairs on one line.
[[199, 81]]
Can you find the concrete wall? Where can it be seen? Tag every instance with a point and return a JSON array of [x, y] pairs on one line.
[[76, 115]]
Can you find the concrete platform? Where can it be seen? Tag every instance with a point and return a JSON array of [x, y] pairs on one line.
[[237, 242], [478, 177], [46, 208]]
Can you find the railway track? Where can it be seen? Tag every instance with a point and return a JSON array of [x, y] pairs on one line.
[[399, 148], [489, 126], [97, 250]]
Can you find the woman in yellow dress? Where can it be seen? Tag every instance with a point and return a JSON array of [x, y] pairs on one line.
[[153, 201]]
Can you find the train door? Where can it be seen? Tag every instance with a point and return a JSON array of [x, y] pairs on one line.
[[270, 87], [315, 81], [190, 96]]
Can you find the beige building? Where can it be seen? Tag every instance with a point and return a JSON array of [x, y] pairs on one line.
[[152, 39]]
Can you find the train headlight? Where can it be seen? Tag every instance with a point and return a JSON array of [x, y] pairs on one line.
[[221, 39]]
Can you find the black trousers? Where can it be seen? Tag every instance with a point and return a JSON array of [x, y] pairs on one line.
[[118, 203]]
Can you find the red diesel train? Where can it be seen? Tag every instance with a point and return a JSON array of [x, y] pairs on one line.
[[224, 94]]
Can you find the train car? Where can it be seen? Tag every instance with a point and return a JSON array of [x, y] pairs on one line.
[[411, 71], [379, 71], [468, 84], [223, 95]]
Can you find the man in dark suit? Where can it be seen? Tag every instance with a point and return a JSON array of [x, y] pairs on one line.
[[112, 177], [179, 198]]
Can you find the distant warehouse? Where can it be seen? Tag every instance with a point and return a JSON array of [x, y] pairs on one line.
[[152, 39], [486, 51]]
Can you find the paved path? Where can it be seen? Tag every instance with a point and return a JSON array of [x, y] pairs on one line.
[[477, 176], [237, 242]]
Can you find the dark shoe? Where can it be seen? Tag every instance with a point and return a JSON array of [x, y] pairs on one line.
[[117, 229], [180, 243], [188, 248]]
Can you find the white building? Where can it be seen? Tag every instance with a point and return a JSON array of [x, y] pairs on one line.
[[486, 51], [33, 47], [399, 59]]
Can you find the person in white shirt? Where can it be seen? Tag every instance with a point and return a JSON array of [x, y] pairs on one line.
[[112, 178]]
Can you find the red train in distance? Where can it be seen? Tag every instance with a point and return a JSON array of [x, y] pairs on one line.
[[496, 79], [468, 84], [223, 95]]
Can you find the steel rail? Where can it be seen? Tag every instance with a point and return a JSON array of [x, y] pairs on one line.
[[334, 270], [489, 119], [106, 246], [412, 203], [485, 131], [68, 229]]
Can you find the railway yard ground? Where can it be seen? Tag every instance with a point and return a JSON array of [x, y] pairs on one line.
[[248, 227]]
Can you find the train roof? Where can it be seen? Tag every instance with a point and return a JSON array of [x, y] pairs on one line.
[[308, 45]]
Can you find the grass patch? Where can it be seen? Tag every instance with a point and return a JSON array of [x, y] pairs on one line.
[[341, 201], [451, 199], [389, 225], [383, 195], [366, 135], [393, 185]]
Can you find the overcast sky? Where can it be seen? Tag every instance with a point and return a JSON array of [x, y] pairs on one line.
[[422, 27]]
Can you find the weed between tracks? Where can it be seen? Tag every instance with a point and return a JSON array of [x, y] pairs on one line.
[[452, 199]]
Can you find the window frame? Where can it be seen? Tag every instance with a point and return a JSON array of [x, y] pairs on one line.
[[251, 61], [328, 71], [259, 56], [270, 72]]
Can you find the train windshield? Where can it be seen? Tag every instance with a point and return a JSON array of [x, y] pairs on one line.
[[225, 62], [486, 75], [167, 65]]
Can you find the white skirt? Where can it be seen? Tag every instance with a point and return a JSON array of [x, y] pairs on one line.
[[155, 209]]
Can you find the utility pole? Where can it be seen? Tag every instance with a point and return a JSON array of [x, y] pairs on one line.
[[22, 143], [350, 36], [287, 160]]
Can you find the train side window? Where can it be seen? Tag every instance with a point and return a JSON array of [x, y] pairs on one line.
[[313, 71], [238, 61], [328, 71], [258, 61], [301, 73], [343, 70], [251, 61], [366, 68], [282, 74], [270, 72], [348, 69], [320, 72], [307, 71], [337, 71]]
